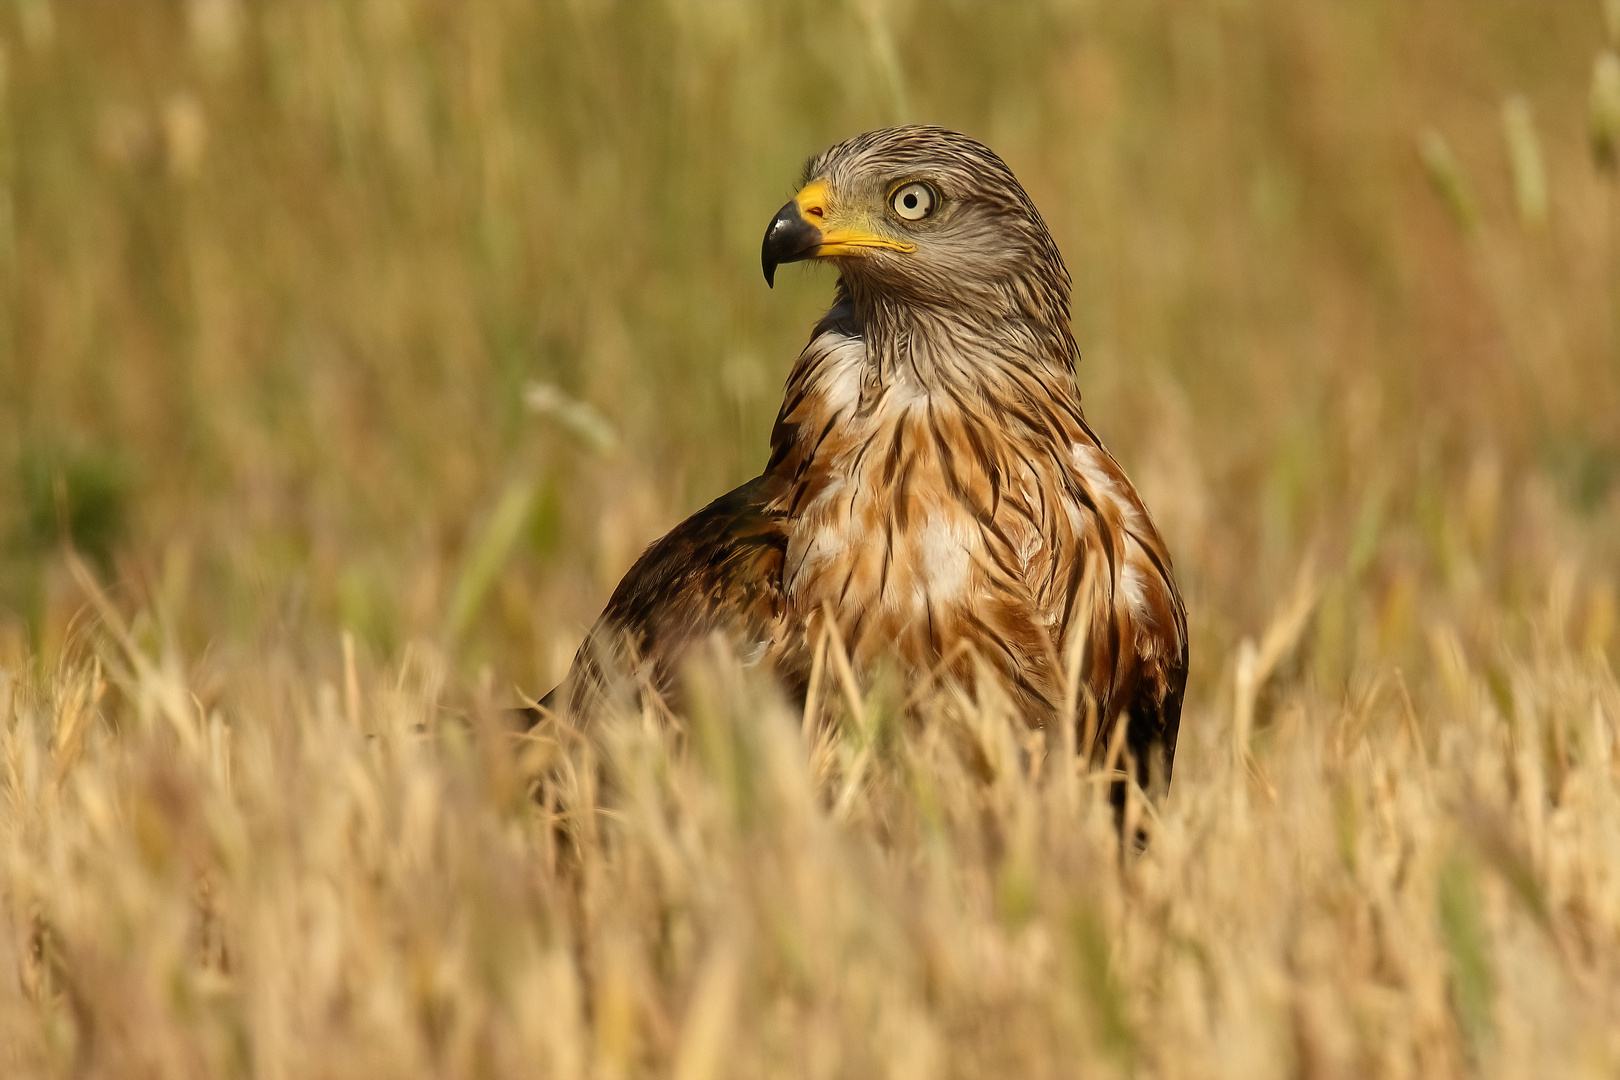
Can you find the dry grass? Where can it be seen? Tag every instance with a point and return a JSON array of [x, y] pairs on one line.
[[357, 348]]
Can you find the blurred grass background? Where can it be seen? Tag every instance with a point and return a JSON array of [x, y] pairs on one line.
[[274, 279], [357, 347]]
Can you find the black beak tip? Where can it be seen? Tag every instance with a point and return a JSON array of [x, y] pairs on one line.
[[788, 239]]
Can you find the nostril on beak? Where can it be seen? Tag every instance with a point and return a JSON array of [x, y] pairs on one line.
[[792, 235]]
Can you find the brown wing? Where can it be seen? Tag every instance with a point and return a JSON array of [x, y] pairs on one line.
[[720, 570], [1142, 677], [1152, 711]]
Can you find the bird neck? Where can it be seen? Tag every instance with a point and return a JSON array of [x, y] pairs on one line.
[[935, 346], [879, 384]]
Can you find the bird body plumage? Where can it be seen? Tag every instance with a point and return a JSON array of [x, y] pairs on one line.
[[933, 486]]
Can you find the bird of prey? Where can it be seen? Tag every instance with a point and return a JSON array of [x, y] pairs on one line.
[[933, 488]]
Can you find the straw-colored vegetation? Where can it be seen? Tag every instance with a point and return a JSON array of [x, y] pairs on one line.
[[349, 351]]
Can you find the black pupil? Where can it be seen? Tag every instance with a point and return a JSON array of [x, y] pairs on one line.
[[911, 201]]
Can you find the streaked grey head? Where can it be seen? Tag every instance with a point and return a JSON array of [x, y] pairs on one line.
[[924, 216]]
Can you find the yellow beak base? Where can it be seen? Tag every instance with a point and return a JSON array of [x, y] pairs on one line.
[[802, 230]]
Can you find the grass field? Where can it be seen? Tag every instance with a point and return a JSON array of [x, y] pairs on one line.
[[350, 350]]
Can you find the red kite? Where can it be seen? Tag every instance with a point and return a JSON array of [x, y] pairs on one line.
[[933, 486]]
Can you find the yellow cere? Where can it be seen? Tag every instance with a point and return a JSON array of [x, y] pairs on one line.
[[815, 204]]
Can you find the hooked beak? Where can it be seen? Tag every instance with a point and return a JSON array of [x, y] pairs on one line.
[[789, 239], [800, 230]]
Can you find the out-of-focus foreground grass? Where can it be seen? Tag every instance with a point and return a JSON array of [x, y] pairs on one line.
[[349, 351]]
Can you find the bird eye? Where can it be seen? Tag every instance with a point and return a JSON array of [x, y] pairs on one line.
[[914, 201]]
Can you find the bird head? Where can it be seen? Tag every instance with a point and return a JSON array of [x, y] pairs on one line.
[[922, 215]]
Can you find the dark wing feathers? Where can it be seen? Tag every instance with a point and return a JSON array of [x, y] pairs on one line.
[[720, 570]]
